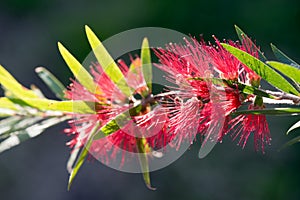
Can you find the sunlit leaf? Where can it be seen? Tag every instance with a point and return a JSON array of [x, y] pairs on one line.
[[107, 62], [295, 126], [7, 124], [74, 153], [19, 125], [261, 69], [26, 122], [82, 107], [52, 82], [247, 41], [113, 125], [146, 63], [282, 57], [82, 156], [143, 149], [5, 103], [288, 70], [80, 73], [30, 132], [12, 85]]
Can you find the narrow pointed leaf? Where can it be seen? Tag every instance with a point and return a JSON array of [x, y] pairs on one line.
[[6, 74], [80, 73], [19, 125], [282, 57], [107, 62], [270, 111], [143, 158], [291, 142], [13, 86], [261, 69], [22, 135], [6, 78], [73, 156], [52, 82], [82, 156], [288, 70], [247, 89], [81, 107], [113, 125], [7, 104], [242, 36], [146, 64], [295, 126], [118, 122], [7, 124]]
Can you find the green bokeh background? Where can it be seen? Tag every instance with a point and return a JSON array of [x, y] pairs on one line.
[[29, 31]]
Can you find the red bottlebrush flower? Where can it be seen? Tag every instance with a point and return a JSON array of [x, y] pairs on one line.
[[192, 67], [257, 124], [150, 123]]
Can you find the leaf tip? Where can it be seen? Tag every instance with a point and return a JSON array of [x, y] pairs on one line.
[[145, 42], [39, 69], [70, 181], [61, 47], [150, 187], [59, 44], [273, 46], [87, 28]]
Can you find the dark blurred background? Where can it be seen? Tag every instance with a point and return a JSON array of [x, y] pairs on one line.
[[29, 31]]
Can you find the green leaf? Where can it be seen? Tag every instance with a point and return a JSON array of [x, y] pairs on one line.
[[270, 111], [244, 38], [295, 126], [291, 142], [7, 124], [81, 107], [83, 155], [146, 63], [288, 70], [12, 85], [80, 73], [19, 125], [52, 82], [6, 74], [143, 147], [113, 125], [118, 122], [74, 153], [261, 69], [5, 103], [246, 89], [32, 131], [282, 57], [107, 62]]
